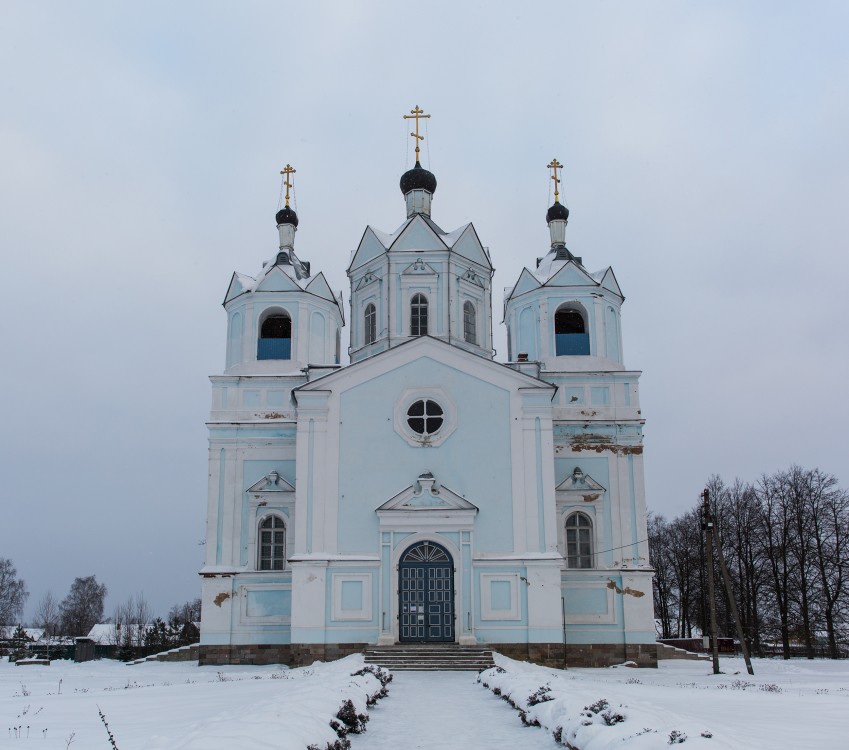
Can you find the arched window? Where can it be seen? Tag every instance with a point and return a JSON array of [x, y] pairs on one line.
[[470, 323], [370, 324], [418, 315], [570, 332], [275, 337], [272, 544], [579, 541]]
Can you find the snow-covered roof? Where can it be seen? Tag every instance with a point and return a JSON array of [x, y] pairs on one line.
[[288, 268], [8, 631], [551, 264], [277, 277], [105, 633], [554, 271], [417, 229]]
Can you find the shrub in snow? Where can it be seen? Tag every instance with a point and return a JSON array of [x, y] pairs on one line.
[[676, 737], [341, 744], [384, 676], [540, 696], [558, 734], [597, 707], [707, 735], [770, 688], [354, 723], [611, 717]]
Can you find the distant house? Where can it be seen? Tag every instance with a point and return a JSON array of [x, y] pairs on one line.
[[7, 632], [110, 634]]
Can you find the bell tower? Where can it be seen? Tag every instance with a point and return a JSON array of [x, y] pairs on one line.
[[560, 314], [284, 319], [420, 280]]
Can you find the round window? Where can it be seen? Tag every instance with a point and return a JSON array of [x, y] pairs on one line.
[[424, 417]]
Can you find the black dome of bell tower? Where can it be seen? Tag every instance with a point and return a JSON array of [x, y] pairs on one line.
[[418, 178]]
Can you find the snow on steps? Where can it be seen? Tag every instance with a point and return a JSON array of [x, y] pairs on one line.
[[181, 653], [430, 657], [665, 651]]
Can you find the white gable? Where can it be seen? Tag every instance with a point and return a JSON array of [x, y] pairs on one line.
[[319, 287], [239, 284], [469, 246], [609, 282], [276, 280], [418, 235], [370, 247], [571, 275], [526, 283]]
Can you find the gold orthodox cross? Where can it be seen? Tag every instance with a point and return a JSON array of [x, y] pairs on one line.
[[555, 165], [287, 170], [416, 114]]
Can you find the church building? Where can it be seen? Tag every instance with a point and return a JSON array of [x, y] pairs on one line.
[[425, 492]]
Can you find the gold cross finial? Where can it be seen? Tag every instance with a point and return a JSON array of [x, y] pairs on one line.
[[288, 170], [555, 165], [416, 114]]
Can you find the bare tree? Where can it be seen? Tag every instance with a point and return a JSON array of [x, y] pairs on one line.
[[185, 613], [786, 542], [663, 588], [13, 592], [131, 621], [738, 513], [828, 506], [82, 608], [47, 615], [777, 523], [684, 556]]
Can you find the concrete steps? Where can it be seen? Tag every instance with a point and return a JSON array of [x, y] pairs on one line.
[[665, 651], [430, 657], [181, 653]]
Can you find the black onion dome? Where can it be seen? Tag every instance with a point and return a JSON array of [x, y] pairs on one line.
[[418, 178], [557, 211], [287, 216]]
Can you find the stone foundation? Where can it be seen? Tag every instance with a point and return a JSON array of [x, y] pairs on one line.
[[579, 655], [293, 655], [545, 654]]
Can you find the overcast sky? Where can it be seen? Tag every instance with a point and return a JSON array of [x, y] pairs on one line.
[[706, 159]]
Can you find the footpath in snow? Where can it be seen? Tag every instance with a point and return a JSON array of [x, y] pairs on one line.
[[444, 711]]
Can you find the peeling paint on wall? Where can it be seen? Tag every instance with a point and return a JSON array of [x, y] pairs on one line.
[[600, 443], [626, 590], [221, 598]]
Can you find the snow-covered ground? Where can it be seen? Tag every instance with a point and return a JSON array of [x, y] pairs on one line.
[[176, 706], [446, 711], [180, 706], [784, 706]]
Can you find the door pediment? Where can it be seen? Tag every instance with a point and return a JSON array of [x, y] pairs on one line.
[[426, 502]]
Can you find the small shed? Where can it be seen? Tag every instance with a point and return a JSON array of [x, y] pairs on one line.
[[83, 649]]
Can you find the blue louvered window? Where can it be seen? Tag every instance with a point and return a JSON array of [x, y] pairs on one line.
[[571, 337], [275, 338]]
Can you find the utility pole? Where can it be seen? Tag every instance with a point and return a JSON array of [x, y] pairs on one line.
[[731, 603], [707, 525]]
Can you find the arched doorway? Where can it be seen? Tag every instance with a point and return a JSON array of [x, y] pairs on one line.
[[426, 594]]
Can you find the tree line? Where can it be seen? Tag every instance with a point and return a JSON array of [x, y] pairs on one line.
[[785, 539], [136, 631]]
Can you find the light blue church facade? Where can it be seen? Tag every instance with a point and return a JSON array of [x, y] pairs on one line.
[[426, 492]]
